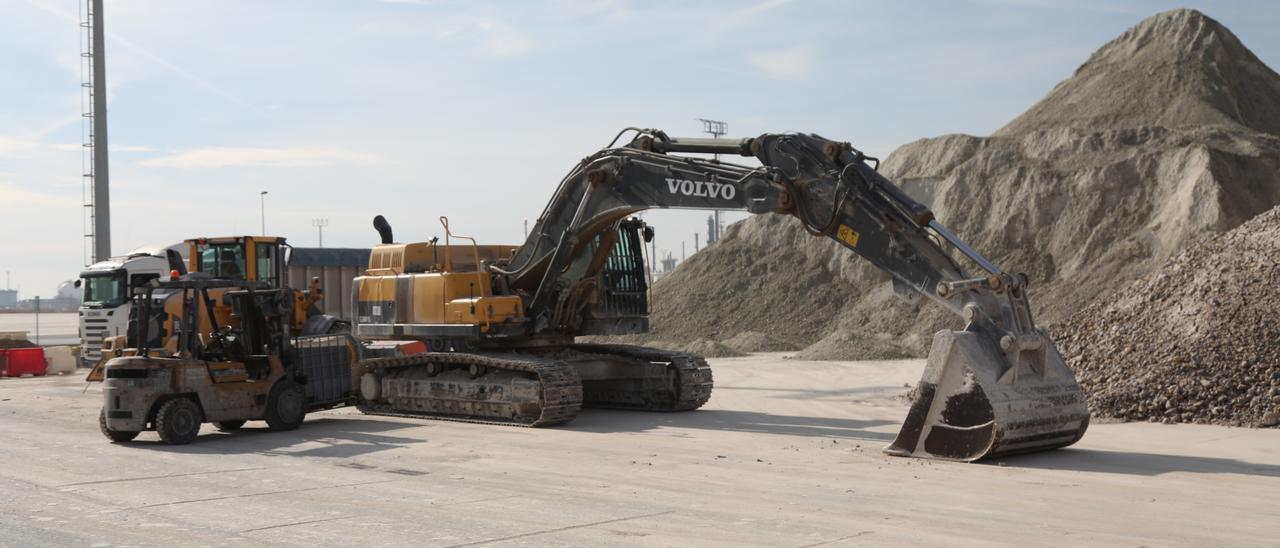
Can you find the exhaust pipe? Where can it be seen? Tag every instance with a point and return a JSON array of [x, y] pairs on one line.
[[384, 229]]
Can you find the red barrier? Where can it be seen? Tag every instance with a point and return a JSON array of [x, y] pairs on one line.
[[4, 362], [25, 361]]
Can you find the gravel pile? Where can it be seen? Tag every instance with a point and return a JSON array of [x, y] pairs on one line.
[[1196, 341], [1164, 137]]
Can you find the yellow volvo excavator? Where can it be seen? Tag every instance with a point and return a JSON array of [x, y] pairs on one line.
[[500, 322]]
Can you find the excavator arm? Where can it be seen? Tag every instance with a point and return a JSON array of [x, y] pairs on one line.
[[997, 387]]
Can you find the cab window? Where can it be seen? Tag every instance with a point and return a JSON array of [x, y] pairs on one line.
[[223, 261], [266, 258], [105, 290]]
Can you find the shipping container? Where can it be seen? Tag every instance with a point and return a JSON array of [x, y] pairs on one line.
[[335, 267]]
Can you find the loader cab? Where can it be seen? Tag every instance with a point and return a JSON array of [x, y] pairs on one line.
[[245, 258]]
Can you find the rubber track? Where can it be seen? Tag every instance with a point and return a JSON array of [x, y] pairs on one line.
[[560, 385], [692, 371]]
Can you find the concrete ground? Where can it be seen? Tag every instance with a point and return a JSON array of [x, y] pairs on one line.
[[787, 453]]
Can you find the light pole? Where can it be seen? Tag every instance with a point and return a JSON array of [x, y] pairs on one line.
[[320, 224], [262, 205]]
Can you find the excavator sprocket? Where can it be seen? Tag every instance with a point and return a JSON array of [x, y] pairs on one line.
[[651, 379], [507, 389]]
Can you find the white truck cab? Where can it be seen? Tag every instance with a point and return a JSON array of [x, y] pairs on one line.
[[106, 286]]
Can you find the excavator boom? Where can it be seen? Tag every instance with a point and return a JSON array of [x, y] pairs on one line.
[[996, 387]]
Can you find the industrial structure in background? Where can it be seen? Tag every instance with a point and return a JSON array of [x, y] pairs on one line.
[[8, 295], [93, 107]]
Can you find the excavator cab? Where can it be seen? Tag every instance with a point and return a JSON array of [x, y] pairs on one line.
[[622, 301]]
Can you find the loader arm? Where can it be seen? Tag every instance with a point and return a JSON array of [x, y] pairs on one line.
[[997, 387]]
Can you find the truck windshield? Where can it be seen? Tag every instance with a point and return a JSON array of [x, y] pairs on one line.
[[223, 261], [106, 290]]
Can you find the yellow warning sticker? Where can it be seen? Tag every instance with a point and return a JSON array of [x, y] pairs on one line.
[[847, 235]]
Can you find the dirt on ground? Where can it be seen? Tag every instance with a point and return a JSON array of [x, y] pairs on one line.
[[838, 344], [1195, 341], [755, 341], [1164, 137]]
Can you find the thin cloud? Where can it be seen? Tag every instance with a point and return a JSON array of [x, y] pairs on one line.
[[786, 64], [14, 146], [222, 157], [16, 198]]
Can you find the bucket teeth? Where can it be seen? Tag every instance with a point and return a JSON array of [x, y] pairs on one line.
[[972, 403]]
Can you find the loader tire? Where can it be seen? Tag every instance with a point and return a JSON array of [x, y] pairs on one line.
[[116, 436], [286, 406], [178, 421], [228, 426]]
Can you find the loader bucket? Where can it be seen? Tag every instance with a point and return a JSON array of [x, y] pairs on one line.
[[975, 402]]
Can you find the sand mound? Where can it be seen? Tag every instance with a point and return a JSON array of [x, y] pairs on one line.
[[755, 341], [842, 345], [1195, 341], [1123, 165], [1177, 69]]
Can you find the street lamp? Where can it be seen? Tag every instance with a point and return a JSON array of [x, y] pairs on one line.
[[320, 224], [262, 199]]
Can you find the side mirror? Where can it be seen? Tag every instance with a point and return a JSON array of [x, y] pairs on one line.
[[648, 234], [78, 283], [288, 255]]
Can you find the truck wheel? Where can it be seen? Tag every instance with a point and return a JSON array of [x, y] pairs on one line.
[[178, 421], [229, 426], [116, 436], [286, 407]]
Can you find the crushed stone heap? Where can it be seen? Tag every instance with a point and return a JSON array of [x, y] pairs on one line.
[[1196, 341], [1167, 135]]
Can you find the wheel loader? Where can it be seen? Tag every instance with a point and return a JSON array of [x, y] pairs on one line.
[[221, 373], [500, 321], [262, 259], [257, 260]]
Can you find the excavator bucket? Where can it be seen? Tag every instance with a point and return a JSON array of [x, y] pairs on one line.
[[975, 401]]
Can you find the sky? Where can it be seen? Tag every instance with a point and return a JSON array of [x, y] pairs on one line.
[[345, 109]]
